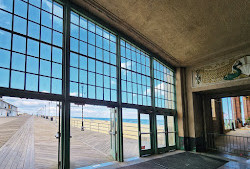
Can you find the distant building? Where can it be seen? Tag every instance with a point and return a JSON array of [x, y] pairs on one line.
[[7, 109]]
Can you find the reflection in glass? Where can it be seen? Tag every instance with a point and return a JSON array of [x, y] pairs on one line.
[[171, 130], [161, 136], [145, 132]]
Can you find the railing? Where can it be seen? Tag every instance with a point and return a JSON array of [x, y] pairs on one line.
[[239, 145], [130, 130], [92, 125]]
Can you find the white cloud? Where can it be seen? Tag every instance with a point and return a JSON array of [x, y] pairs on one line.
[[32, 106], [126, 65]]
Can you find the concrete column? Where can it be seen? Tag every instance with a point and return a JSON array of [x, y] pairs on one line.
[[180, 96]]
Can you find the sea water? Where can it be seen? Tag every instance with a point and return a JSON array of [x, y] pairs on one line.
[[135, 121]]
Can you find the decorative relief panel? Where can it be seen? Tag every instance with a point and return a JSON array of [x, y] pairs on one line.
[[222, 71]]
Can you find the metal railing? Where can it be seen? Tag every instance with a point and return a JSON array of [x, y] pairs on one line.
[[129, 131], [92, 125], [239, 145]]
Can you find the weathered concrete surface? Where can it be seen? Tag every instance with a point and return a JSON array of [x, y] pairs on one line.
[[191, 31]]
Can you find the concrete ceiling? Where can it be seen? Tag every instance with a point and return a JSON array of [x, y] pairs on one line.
[[185, 31]]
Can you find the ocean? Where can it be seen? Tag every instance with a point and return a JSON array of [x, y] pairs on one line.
[[135, 121]]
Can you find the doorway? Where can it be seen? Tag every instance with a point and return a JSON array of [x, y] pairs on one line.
[[93, 135], [29, 133], [130, 133]]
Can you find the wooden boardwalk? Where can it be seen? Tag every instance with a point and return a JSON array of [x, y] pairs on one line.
[[46, 145], [18, 151], [29, 142], [9, 126]]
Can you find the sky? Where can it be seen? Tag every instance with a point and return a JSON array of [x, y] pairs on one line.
[[32, 106]]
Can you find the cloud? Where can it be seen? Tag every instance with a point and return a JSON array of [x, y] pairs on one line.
[[43, 107], [32, 106], [126, 65], [73, 93]]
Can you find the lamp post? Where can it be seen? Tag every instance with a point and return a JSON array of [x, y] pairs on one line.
[[82, 129]]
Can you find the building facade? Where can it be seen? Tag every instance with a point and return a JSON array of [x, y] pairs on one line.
[[7, 109]]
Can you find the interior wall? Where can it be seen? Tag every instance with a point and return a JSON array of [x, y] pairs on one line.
[[199, 112]]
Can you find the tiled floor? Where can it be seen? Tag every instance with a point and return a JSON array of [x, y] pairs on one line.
[[234, 162]]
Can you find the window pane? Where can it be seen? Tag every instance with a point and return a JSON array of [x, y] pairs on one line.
[[107, 94], [19, 43], [73, 59], [99, 93], [35, 2], [31, 82], [83, 62], [7, 5], [57, 39], [83, 34], [91, 78], [73, 89], [57, 10], [74, 18], [83, 76], [57, 55], [74, 74], [5, 75], [47, 5], [83, 22], [45, 51], [83, 48], [32, 65], [17, 80], [91, 92], [44, 84], [5, 39], [57, 24], [34, 14], [57, 70], [33, 30], [46, 34], [83, 90], [45, 67], [5, 19], [33, 48], [18, 61], [21, 8], [46, 19], [4, 58], [56, 86]]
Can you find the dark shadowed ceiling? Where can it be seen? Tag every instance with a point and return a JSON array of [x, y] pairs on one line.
[[183, 32]]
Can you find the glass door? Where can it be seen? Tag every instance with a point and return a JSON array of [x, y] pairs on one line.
[[161, 133], [113, 132], [58, 134], [145, 134], [171, 133]]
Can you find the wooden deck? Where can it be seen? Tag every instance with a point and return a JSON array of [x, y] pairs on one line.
[[18, 151], [29, 142]]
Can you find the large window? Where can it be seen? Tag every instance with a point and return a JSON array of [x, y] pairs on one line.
[[135, 75], [164, 86], [92, 60], [31, 45]]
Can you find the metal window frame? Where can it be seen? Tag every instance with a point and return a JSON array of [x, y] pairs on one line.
[[66, 99]]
